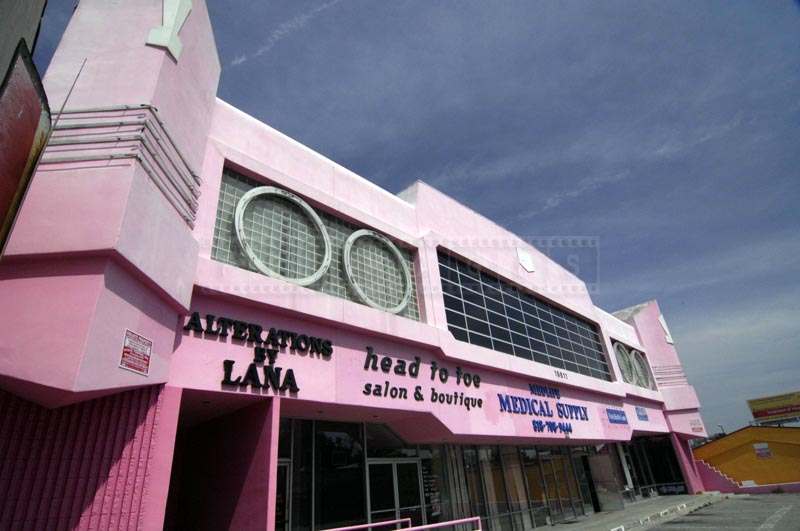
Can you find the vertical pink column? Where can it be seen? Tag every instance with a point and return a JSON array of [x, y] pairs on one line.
[[272, 424], [686, 461], [117, 213], [154, 498]]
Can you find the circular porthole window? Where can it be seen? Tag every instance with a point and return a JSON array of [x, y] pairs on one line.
[[282, 236], [641, 369], [624, 361], [377, 271]]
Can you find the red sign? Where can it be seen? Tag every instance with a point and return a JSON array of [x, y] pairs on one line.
[[778, 411], [25, 119], [773, 408], [136, 352]]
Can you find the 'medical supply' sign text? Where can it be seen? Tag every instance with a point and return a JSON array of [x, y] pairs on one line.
[[545, 409]]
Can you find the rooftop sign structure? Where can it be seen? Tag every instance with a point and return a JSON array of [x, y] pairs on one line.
[[777, 409]]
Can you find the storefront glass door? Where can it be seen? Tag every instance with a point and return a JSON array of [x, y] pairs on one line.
[[282, 511], [395, 490]]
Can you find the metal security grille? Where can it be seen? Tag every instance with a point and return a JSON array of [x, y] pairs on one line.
[[376, 269], [484, 310], [289, 243]]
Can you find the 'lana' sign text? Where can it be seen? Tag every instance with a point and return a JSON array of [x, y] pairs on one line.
[[265, 348]]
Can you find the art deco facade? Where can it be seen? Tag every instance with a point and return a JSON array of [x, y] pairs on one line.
[[207, 324]]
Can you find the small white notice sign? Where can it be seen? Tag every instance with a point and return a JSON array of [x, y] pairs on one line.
[[136, 352]]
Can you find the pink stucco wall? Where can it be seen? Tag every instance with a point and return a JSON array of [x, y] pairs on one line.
[[85, 466], [99, 249], [687, 463], [145, 269], [713, 480], [197, 364]]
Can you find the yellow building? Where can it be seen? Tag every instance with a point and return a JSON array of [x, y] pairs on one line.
[[755, 455]]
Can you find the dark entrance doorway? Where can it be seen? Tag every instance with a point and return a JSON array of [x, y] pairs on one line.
[[588, 485], [214, 484], [653, 466]]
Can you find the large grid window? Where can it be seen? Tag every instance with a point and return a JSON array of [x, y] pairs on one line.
[[285, 238], [486, 311]]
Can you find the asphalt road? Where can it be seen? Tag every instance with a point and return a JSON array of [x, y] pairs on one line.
[[777, 512]]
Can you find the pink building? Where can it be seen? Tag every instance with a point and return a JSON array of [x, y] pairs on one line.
[[205, 324]]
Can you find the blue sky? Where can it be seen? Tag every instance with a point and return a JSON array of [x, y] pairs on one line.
[[669, 131]]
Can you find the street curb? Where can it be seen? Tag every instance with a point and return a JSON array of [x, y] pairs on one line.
[[670, 513]]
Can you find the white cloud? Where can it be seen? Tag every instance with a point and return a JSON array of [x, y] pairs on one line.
[[585, 185], [732, 354], [284, 30], [609, 148]]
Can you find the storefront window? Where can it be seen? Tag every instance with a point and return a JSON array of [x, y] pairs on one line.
[[382, 442], [535, 481], [285, 439], [409, 497], [517, 492], [302, 474], [434, 484], [340, 484], [472, 475], [643, 464], [381, 492], [565, 482], [510, 488], [580, 462], [663, 464], [495, 488], [549, 483], [608, 477]]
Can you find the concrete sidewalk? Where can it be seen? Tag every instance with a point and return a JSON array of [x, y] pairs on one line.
[[643, 514]]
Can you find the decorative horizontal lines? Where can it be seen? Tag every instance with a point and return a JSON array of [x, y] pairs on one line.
[[669, 375], [123, 134]]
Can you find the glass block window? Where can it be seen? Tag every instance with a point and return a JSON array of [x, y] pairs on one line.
[[284, 237], [633, 366], [377, 270], [484, 310]]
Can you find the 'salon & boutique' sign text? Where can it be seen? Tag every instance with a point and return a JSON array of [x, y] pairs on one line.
[[435, 373], [262, 373]]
